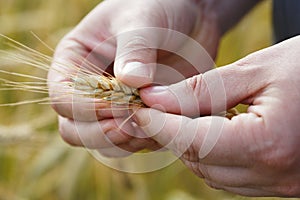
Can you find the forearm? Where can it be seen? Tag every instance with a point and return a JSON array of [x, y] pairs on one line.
[[227, 12]]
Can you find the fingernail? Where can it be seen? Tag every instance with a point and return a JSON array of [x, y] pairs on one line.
[[157, 89], [138, 69]]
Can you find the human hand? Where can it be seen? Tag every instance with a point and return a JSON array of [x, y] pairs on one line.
[[255, 153], [117, 31]]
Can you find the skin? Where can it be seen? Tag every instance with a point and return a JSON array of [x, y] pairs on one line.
[[134, 64], [254, 154]]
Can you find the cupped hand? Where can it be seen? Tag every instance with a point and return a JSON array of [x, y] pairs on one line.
[[255, 153], [116, 37]]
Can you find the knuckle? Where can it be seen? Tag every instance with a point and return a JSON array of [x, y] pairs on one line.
[[253, 59], [191, 155], [246, 61], [196, 84], [136, 49], [136, 43], [199, 92]]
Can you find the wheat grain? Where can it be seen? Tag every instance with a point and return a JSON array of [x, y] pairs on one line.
[[91, 82], [107, 88]]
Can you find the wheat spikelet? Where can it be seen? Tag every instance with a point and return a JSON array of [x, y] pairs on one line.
[[108, 89], [90, 82]]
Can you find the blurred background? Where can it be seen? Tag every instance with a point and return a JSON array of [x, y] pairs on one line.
[[36, 164]]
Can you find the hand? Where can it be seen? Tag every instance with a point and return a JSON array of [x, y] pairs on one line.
[[255, 153], [117, 31]]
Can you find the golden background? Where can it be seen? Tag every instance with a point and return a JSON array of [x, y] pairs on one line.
[[34, 161]]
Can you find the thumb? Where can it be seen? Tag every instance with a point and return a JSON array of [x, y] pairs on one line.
[[209, 93], [136, 56]]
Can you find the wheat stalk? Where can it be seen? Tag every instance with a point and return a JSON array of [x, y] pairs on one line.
[[91, 82]]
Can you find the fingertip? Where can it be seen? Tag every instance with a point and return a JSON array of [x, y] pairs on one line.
[[155, 90], [160, 126], [141, 117], [151, 121], [161, 98], [145, 117], [136, 74]]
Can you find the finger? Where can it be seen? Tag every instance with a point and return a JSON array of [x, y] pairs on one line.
[[93, 135], [74, 105], [126, 149], [71, 59], [211, 92], [137, 50], [247, 181], [232, 176], [118, 151], [114, 152], [251, 192], [136, 57], [211, 140]]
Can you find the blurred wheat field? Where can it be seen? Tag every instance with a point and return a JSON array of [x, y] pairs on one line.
[[36, 164]]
